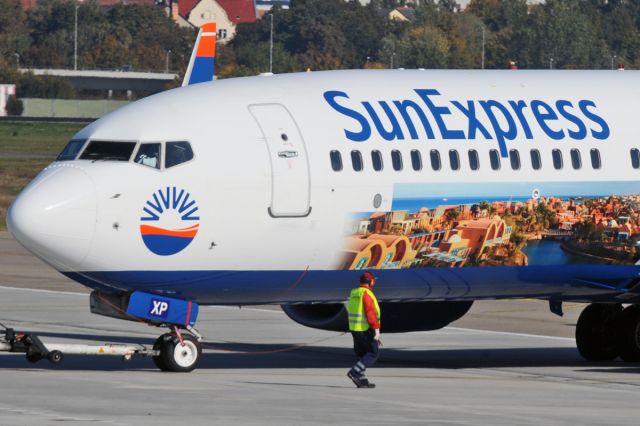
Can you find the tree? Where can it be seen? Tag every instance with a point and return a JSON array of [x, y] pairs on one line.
[[14, 106], [452, 215], [14, 34]]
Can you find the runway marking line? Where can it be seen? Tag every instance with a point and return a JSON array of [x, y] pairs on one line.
[[38, 290], [508, 333]]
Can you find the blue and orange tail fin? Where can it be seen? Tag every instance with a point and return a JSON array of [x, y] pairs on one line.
[[203, 57]]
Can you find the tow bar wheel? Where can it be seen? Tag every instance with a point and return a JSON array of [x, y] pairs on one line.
[[175, 356]]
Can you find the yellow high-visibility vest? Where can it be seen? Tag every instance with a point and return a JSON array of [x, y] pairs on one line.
[[357, 315]]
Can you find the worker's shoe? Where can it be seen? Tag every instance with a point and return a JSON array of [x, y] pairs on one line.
[[365, 383], [360, 381]]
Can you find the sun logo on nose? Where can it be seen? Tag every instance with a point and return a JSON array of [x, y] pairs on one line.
[[165, 217]]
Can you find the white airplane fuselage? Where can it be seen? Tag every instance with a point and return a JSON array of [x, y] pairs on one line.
[[275, 223]]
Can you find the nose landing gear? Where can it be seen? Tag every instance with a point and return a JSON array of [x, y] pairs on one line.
[[605, 331], [177, 352]]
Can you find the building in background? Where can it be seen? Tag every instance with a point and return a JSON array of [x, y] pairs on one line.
[[225, 13], [264, 6]]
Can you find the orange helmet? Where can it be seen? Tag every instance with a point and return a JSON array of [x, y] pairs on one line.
[[367, 278]]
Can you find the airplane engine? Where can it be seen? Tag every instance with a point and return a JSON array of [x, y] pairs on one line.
[[397, 317]]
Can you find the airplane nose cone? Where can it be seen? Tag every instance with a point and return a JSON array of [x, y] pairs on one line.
[[54, 217]]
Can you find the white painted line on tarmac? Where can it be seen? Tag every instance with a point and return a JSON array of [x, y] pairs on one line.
[[38, 290], [71, 293], [273, 311], [509, 333], [244, 308]]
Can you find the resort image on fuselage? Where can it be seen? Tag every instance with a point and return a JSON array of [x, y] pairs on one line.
[[511, 231]]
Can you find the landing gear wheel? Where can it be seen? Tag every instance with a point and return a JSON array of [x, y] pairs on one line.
[[159, 345], [55, 357], [178, 357], [628, 334], [595, 332]]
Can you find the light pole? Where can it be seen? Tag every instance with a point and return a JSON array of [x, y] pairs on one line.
[[75, 41], [483, 40], [271, 45], [613, 57], [393, 55], [17, 55], [166, 67], [366, 65], [551, 63]]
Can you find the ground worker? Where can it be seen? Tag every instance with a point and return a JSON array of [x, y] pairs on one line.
[[364, 324]]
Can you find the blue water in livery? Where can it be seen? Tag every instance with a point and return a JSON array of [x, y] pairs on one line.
[[415, 204], [549, 252]]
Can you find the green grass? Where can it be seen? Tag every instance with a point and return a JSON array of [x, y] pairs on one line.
[[25, 149], [35, 138]]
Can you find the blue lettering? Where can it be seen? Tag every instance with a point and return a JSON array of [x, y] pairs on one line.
[[579, 134], [474, 123], [365, 131], [518, 106], [543, 113], [501, 134], [403, 106], [389, 135], [438, 112], [604, 127]]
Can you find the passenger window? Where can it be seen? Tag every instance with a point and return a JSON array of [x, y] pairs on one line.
[[576, 161], [514, 157], [336, 161], [71, 151], [536, 161], [108, 151], [356, 160], [376, 159], [454, 159], [149, 155], [635, 158], [416, 160], [557, 159], [494, 157], [596, 162], [396, 160], [177, 153], [474, 160], [434, 155]]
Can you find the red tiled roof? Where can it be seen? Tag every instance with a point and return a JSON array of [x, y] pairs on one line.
[[185, 6], [237, 10], [28, 4]]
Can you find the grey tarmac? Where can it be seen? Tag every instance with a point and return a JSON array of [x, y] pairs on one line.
[[506, 363]]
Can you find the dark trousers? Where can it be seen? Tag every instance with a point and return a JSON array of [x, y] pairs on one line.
[[366, 348]]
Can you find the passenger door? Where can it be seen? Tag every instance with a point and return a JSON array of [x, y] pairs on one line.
[[290, 181]]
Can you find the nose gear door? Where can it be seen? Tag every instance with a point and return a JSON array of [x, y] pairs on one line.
[[290, 181]]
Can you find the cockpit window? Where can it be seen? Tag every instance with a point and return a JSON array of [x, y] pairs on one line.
[[71, 151], [177, 153], [108, 151], [149, 155]]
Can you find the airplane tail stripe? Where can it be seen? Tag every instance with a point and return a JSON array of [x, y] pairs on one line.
[[202, 70], [207, 46]]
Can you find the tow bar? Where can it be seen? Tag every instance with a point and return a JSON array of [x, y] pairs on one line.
[[36, 350]]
